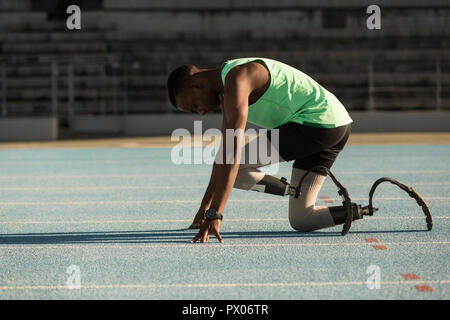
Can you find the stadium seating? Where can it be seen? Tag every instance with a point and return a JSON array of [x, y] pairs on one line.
[[119, 61]]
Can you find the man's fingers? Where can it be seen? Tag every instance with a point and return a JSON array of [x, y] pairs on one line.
[[199, 235], [215, 227], [205, 231], [196, 237], [205, 236], [202, 234], [218, 236]]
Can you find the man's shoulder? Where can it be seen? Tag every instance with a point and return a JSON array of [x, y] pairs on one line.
[[247, 69], [250, 70]]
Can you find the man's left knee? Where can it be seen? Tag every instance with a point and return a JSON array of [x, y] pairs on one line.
[[301, 221]]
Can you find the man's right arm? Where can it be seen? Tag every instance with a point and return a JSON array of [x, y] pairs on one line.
[[209, 193]]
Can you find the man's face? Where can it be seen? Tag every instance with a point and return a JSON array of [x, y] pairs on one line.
[[197, 100]]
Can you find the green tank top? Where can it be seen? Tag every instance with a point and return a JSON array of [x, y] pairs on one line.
[[291, 96]]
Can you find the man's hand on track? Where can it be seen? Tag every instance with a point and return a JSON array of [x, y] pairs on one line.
[[207, 228]]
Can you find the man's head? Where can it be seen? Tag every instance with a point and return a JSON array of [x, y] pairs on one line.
[[191, 90]]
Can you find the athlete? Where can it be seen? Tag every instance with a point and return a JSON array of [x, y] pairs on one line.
[[313, 128]]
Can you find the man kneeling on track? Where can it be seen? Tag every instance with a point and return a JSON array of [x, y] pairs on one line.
[[313, 127]]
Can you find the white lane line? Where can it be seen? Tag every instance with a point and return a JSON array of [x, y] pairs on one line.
[[189, 220], [150, 158], [143, 175], [228, 285], [381, 172], [135, 187], [167, 160], [405, 218], [95, 188], [119, 202], [97, 176], [135, 221], [213, 245]]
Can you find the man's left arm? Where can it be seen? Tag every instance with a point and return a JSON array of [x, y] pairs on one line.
[[236, 92]]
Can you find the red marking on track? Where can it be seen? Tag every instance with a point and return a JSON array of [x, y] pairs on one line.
[[328, 201], [324, 197], [410, 276], [371, 240], [380, 247], [424, 288]]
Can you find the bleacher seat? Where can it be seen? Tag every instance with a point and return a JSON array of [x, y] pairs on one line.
[[122, 55]]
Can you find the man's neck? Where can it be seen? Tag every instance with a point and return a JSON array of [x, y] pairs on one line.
[[214, 78]]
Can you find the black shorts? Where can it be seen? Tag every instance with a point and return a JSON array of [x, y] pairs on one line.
[[310, 146]]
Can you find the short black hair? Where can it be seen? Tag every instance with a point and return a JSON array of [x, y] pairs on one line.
[[177, 81]]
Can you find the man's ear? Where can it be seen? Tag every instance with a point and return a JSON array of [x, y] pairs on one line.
[[196, 85]]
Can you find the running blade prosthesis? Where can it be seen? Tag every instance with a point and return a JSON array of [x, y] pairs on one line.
[[369, 209]]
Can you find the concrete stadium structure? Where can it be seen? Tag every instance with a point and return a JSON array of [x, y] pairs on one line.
[[110, 76]]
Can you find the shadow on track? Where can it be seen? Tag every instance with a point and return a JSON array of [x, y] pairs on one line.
[[159, 236]]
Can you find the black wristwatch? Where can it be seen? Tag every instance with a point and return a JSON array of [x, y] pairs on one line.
[[212, 214]]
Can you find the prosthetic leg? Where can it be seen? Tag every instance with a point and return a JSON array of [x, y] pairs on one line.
[[411, 192], [272, 185], [340, 215], [349, 211]]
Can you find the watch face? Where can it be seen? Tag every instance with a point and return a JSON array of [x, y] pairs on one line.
[[211, 213]]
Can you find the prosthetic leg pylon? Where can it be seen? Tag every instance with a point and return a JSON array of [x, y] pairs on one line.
[[353, 210]]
